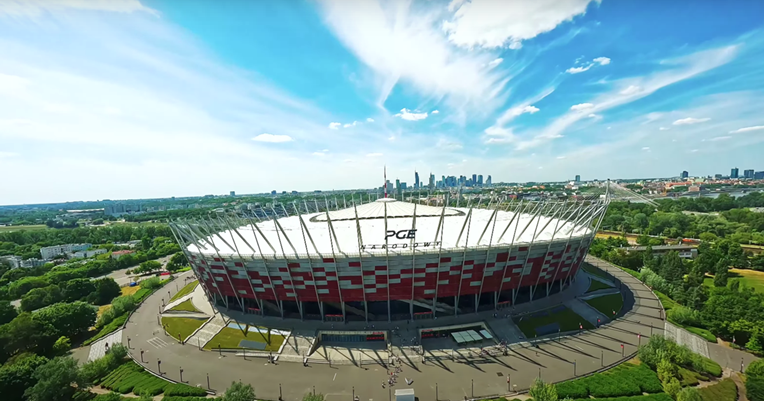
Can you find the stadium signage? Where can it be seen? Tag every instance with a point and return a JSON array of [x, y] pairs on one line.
[[401, 234], [400, 246]]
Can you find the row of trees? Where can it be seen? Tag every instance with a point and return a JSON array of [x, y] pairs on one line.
[[736, 221]]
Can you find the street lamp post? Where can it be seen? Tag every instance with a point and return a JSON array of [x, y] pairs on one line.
[[142, 356], [208, 381], [128, 342], [180, 372], [601, 358], [436, 391], [280, 391], [159, 366], [472, 395]]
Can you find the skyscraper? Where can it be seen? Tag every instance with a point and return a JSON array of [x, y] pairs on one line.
[[432, 182], [749, 173], [734, 172], [577, 178], [684, 174], [480, 180], [416, 180], [488, 181], [474, 179]]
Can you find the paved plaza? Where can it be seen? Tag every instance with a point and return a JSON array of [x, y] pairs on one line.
[[451, 374]]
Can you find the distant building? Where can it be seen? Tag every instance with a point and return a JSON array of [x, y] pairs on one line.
[[759, 175], [718, 176], [577, 178], [118, 209], [118, 254], [416, 180], [749, 173], [273, 192], [50, 252], [432, 182], [684, 175], [694, 188], [488, 181], [88, 254], [232, 193], [33, 262], [734, 172], [480, 180]]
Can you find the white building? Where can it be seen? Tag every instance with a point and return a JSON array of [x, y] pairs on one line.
[[88, 254], [50, 252]]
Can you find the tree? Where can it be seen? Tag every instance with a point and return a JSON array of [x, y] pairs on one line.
[[541, 391], [177, 261], [671, 387], [672, 268], [754, 381], [55, 379], [77, 289], [41, 297], [145, 243], [755, 342], [62, 345], [689, 394], [26, 334], [707, 237], [18, 376], [68, 320], [106, 289], [7, 312], [148, 266], [239, 392], [721, 273]]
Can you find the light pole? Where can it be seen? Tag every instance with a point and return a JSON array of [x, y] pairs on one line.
[[601, 358], [208, 381], [622, 350], [280, 392], [159, 366], [574, 367], [436, 391], [472, 395], [142, 357], [128, 342], [180, 372]]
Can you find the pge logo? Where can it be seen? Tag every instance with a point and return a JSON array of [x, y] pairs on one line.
[[402, 234]]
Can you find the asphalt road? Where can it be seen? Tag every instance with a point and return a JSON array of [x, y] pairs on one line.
[[555, 360]]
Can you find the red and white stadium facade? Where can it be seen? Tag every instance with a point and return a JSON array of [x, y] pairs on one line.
[[388, 259]]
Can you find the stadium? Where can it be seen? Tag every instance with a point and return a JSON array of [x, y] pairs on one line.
[[386, 259]]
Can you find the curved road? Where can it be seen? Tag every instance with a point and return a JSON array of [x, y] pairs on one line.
[[555, 360]]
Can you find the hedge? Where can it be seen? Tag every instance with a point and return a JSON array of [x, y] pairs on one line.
[[133, 378], [183, 390], [650, 397], [724, 390], [626, 379], [178, 398], [710, 367]]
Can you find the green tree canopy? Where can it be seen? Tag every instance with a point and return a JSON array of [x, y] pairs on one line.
[[239, 392], [55, 379]]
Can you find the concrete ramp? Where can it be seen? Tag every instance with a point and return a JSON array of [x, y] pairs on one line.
[[207, 331]]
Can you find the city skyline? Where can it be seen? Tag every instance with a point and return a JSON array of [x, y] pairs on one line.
[[147, 99]]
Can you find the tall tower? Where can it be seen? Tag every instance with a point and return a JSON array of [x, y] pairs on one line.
[[385, 180], [416, 180]]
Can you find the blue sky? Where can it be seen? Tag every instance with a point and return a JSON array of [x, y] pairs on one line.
[[126, 99]]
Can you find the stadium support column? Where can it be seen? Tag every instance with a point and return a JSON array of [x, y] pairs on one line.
[[279, 228], [528, 251], [592, 217], [440, 247], [334, 260], [255, 232], [201, 237], [223, 263], [468, 218], [561, 209], [387, 258], [361, 263], [575, 211], [517, 212], [231, 231], [414, 266], [304, 230], [176, 230], [488, 251]]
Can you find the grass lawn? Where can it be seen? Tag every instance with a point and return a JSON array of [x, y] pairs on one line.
[[706, 334], [666, 302], [595, 271], [108, 329], [607, 304], [725, 390], [597, 285], [30, 227], [185, 306], [746, 277], [230, 338], [102, 309], [130, 290], [187, 289], [566, 319], [181, 325]]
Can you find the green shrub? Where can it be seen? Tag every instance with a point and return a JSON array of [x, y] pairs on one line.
[[623, 380], [650, 397], [709, 367], [688, 378], [151, 283], [724, 390], [184, 390], [683, 316], [754, 381], [703, 333], [178, 398]]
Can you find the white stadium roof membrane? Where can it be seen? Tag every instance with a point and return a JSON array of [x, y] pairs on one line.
[[315, 236]]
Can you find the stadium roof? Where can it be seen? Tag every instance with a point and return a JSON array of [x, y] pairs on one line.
[[288, 236]]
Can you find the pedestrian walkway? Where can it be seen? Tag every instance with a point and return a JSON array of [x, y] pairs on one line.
[[601, 279], [299, 343], [587, 312], [177, 302], [207, 331], [200, 301], [599, 293], [505, 329], [98, 348]]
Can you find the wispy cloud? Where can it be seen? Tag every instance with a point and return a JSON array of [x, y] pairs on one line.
[[747, 129], [410, 116], [587, 66], [690, 120], [272, 138], [334, 125], [582, 106]]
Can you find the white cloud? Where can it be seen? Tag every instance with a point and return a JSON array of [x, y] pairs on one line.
[[320, 154], [561, 157], [663, 129], [272, 138], [690, 120], [325, 150], [401, 43], [445, 144], [492, 24], [34, 8], [595, 116], [529, 109], [719, 138], [577, 70], [334, 125], [747, 129], [434, 112], [693, 150], [630, 90], [494, 63], [409, 116], [646, 148], [582, 106], [374, 154], [353, 124], [602, 60], [370, 120]]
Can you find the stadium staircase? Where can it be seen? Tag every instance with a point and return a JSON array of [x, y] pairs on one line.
[[208, 331]]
